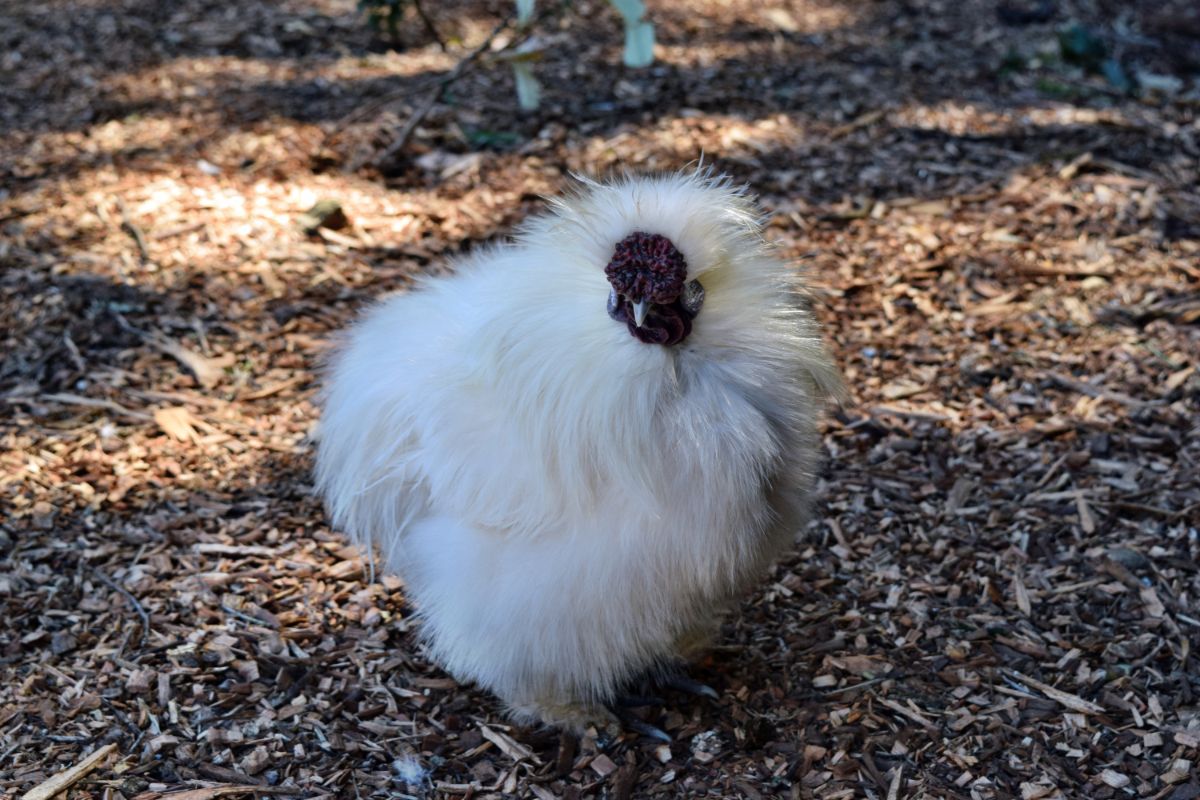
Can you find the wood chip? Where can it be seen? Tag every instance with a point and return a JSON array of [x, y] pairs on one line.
[[1071, 701], [912, 714], [211, 792], [1114, 779], [64, 780], [509, 746], [603, 766], [1004, 256]]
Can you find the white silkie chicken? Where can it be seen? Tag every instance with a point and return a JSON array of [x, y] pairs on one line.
[[577, 450]]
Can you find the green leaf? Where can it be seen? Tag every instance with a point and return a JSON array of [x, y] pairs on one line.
[[1115, 74], [631, 10], [1012, 62], [1081, 46], [639, 44], [529, 91], [1055, 88], [639, 34], [524, 11]]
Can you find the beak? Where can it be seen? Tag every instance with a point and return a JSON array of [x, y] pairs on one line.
[[640, 309]]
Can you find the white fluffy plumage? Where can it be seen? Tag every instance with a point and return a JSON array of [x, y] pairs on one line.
[[567, 505]]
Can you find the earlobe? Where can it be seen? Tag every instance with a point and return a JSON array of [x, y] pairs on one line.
[[692, 298]]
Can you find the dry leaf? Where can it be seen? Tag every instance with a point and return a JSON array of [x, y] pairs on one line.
[[177, 422], [207, 371]]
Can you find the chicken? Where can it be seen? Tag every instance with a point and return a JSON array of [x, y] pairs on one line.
[[578, 449]]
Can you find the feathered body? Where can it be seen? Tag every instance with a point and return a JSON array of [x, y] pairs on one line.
[[568, 505]]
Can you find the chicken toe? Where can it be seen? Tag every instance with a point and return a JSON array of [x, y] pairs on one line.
[[680, 682]]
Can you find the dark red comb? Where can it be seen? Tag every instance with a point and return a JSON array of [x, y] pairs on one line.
[[647, 266]]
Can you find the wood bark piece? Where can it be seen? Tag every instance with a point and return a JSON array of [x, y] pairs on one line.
[[69, 777]]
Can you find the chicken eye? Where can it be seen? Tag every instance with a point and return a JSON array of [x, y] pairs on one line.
[[692, 297]]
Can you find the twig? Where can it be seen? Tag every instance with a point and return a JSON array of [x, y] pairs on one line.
[[429, 24], [247, 618], [915, 716], [136, 732], [431, 99], [1071, 701], [298, 685], [920, 416], [207, 371], [374, 107], [235, 549], [1063, 382], [211, 792], [440, 86], [870, 118], [179, 230], [87, 402], [861, 685], [57, 784], [1052, 471], [133, 601], [267, 391], [134, 231]]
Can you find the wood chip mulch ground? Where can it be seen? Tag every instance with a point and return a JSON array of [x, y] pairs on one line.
[[1000, 595]]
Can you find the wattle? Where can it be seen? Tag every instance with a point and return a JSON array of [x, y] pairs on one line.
[[665, 325]]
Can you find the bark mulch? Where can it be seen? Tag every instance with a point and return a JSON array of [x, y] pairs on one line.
[[998, 597]]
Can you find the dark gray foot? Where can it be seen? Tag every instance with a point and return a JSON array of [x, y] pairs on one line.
[[638, 701], [647, 694], [640, 726]]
